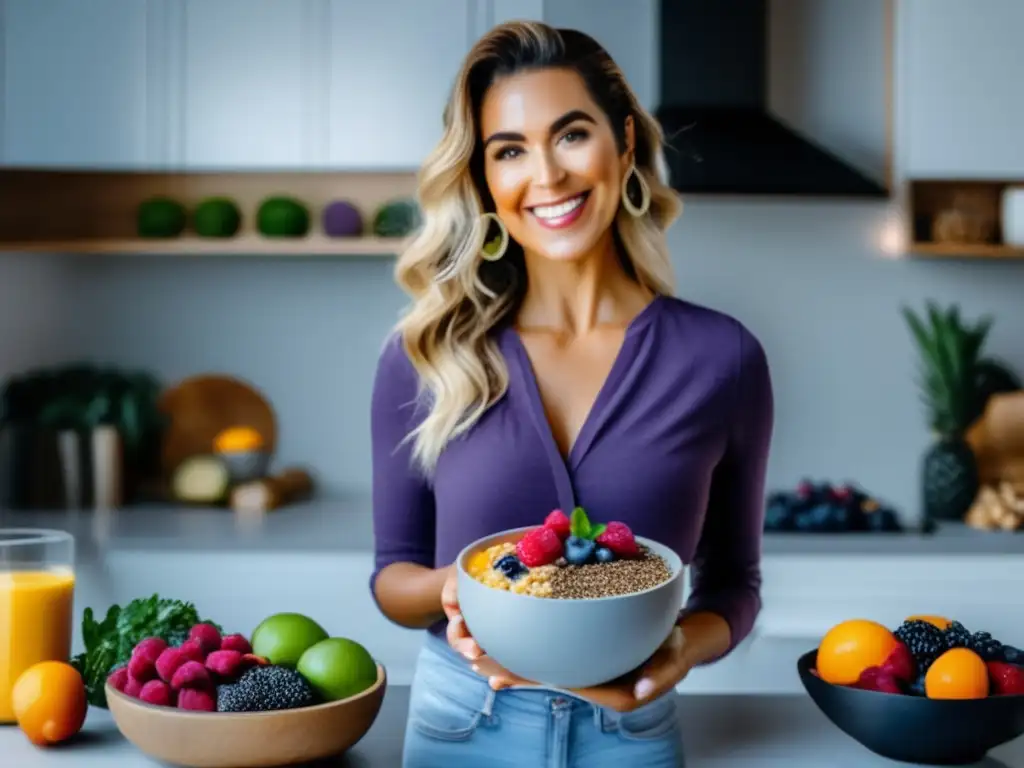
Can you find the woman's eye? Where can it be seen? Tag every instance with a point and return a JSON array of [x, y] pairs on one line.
[[506, 153], [574, 136]]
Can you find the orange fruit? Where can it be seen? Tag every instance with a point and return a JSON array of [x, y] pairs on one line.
[[852, 646], [959, 673], [49, 702], [939, 621]]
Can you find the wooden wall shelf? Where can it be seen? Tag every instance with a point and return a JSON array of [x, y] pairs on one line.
[[959, 218], [94, 212]]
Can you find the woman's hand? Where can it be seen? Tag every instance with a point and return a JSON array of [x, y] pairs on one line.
[[662, 672], [458, 635]]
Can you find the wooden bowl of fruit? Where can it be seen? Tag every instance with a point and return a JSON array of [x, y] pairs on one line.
[[218, 705], [929, 692]]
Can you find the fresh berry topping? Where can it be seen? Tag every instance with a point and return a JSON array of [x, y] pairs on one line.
[[157, 692], [877, 679], [541, 546], [619, 539], [1007, 679], [900, 664], [510, 566], [578, 551], [206, 636], [558, 522], [604, 555], [235, 643]]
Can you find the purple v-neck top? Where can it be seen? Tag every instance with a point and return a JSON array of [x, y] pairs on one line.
[[675, 446]]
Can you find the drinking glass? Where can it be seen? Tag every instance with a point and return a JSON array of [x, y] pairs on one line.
[[37, 587]]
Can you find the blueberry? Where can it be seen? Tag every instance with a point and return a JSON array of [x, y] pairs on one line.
[[578, 551], [604, 555], [916, 688], [511, 567], [1012, 655]]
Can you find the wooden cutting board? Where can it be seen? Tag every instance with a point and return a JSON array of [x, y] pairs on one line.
[[200, 407]]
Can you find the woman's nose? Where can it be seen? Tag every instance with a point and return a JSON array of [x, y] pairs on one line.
[[548, 172]]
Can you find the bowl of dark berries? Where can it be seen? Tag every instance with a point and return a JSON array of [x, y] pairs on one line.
[[212, 702], [825, 507], [565, 579], [929, 692]]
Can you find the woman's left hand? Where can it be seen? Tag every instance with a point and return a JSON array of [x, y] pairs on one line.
[[662, 672]]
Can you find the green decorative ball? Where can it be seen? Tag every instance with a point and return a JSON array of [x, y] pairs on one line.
[[397, 218], [282, 217], [217, 217], [160, 217]]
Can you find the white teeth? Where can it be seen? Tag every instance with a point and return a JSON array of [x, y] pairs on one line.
[[554, 211]]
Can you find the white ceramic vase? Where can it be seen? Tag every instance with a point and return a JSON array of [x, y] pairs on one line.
[[1013, 216]]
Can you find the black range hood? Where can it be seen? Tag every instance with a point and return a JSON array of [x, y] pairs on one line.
[[721, 136]]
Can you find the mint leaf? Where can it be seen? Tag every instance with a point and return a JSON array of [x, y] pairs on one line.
[[597, 530], [579, 525]]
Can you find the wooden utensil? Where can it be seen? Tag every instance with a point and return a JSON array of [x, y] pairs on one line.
[[200, 407], [272, 492]]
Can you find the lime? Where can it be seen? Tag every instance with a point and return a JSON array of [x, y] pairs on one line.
[[338, 668], [284, 637]]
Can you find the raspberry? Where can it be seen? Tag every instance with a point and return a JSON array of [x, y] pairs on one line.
[[193, 651], [619, 539], [1007, 679], [150, 648], [118, 679], [157, 692], [191, 674], [197, 700], [132, 687], [235, 643], [206, 636], [169, 661], [541, 546], [558, 522], [877, 679], [900, 664], [225, 664], [142, 668]]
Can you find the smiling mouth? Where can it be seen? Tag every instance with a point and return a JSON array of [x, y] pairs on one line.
[[560, 214]]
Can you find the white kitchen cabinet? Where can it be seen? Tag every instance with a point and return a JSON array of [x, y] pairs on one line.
[[392, 65], [249, 91], [963, 103], [75, 80]]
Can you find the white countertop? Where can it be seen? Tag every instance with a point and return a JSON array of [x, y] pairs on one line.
[[720, 732], [346, 525]]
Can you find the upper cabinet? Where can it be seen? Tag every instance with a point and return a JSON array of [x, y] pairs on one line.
[[76, 76], [961, 94], [233, 84]]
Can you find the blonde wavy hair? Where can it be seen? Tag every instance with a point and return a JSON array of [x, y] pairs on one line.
[[458, 298]]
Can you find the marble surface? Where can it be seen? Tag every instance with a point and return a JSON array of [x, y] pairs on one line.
[[720, 731], [346, 525]]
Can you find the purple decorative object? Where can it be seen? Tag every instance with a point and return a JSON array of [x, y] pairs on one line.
[[342, 219]]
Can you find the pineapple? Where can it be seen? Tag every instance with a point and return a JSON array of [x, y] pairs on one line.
[[950, 351]]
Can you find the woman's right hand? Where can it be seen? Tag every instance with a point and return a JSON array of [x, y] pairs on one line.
[[458, 635]]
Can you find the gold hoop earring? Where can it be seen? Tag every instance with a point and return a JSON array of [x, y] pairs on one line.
[[493, 250], [645, 192]]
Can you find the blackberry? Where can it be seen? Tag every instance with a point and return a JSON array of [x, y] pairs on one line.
[[924, 640], [986, 646], [263, 689], [1013, 655], [957, 636]]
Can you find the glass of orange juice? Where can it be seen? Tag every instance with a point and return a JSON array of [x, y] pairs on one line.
[[37, 586]]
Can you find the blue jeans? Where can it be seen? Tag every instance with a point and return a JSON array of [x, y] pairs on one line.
[[457, 721]]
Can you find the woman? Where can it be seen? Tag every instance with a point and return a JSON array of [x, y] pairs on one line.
[[545, 364]]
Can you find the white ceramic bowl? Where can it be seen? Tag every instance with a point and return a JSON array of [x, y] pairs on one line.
[[569, 643]]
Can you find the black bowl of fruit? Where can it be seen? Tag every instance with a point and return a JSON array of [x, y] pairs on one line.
[[930, 692], [828, 508]]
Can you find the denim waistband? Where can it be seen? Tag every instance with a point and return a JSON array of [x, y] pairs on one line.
[[442, 667]]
